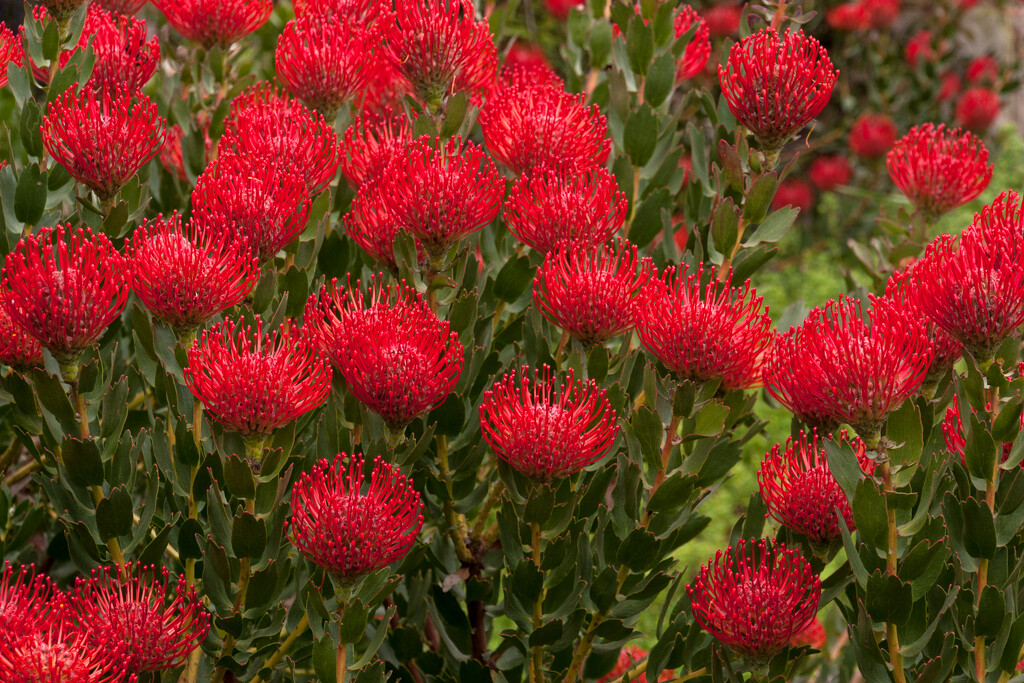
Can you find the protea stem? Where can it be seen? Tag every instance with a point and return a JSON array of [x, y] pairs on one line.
[[990, 500], [456, 521], [537, 660], [341, 668], [891, 556]]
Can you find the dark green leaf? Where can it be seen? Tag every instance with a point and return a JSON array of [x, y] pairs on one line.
[[114, 514], [641, 136], [774, 227], [248, 535], [513, 279], [759, 198], [30, 196], [869, 514], [81, 458]]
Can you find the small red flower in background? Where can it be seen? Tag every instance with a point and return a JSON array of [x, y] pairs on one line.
[[799, 490], [528, 127], [775, 85], [939, 169], [172, 156], [949, 86], [124, 57], [186, 274], [703, 329], [829, 172], [849, 16], [560, 9], [102, 138], [530, 75], [396, 357], [848, 366], [25, 602], [126, 7], [754, 597], [548, 205], [370, 143], [983, 70], [268, 126], [544, 428], [591, 291], [977, 109], [813, 636], [972, 286], [528, 56], [919, 47], [882, 13], [872, 136], [262, 203], [253, 383], [215, 22], [698, 50], [349, 532], [322, 60], [18, 349], [11, 51], [151, 627], [723, 19], [795, 193], [58, 651], [438, 196], [630, 656], [440, 48], [65, 286]]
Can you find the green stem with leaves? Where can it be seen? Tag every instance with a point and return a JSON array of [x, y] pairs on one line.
[[456, 521], [891, 567], [990, 499], [279, 654], [537, 659]]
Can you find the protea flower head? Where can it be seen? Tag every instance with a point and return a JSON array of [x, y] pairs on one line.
[[698, 50], [703, 329], [848, 367], [102, 138], [135, 610], [548, 205], [254, 382], [61, 10], [972, 286], [545, 428], [630, 656], [172, 155], [18, 349], [528, 127], [11, 50], [439, 196], [813, 636], [58, 651], [872, 135], [25, 602], [350, 531], [526, 66], [64, 287], [977, 108], [370, 143], [829, 172], [268, 126], [775, 85], [440, 48], [124, 56], [901, 290], [939, 169], [799, 490], [396, 357], [591, 291], [188, 273], [754, 597], [126, 7], [265, 204], [322, 60], [215, 22]]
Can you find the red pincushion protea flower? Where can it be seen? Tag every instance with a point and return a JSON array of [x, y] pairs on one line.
[[785, 382], [591, 291], [264, 204], [813, 636], [18, 349], [350, 532], [58, 651], [939, 169], [440, 48], [698, 50], [983, 69], [853, 368], [754, 597], [918, 48], [186, 274], [102, 138], [126, 7], [796, 193], [267, 125], [872, 136], [849, 16], [775, 85], [560, 9], [953, 431], [977, 109], [65, 287], [972, 286], [124, 58], [370, 143], [901, 291], [10, 51], [799, 490], [703, 329], [438, 196], [151, 627], [322, 60], [830, 172], [723, 19], [215, 22], [530, 75], [25, 602], [253, 383], [548, 205], [172, 156], [528, 127], [949, 86], [630, 656], [544, 428]]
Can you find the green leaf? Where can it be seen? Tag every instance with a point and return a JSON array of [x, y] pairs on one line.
[[980, 449], [888, 599], [513, 279], [539, 505], [639, 551], [991, 613], [774, 227], [600, 43], [81, 458], [674, 492], [759, 198], [325, 658], [842, 462], [454, 114], [31, 118], [660, 79], [238, 477], [639, 45], [30, 195], [114, 514], [649, 432], [725, 226], [641, 136], [353, 622], [980, 531], [375, 642], [904, 427], [248, 535], [710, 421], [869, 514]]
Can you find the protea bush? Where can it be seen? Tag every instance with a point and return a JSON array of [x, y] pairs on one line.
[[457, 340]]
